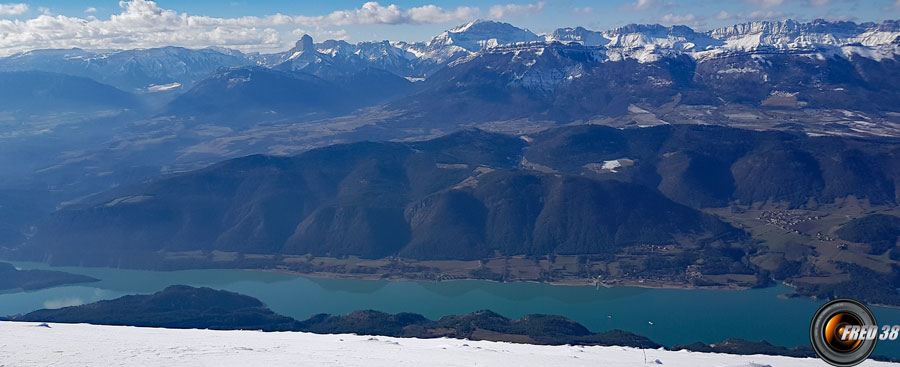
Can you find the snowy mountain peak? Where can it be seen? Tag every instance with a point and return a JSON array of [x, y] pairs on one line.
[[678, 38], [482, 25], [482, 34], [464, 27]]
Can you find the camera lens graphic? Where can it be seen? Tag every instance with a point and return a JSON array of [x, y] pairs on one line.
[[832, 322], [835, 328]]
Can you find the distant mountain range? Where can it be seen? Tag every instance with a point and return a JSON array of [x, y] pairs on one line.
[[141, 69], [36, 92], [130, 70], [480, 70]]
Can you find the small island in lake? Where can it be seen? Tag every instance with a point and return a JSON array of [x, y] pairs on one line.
[[13, 278]]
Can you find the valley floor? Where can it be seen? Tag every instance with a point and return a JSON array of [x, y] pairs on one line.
[[28, 344]]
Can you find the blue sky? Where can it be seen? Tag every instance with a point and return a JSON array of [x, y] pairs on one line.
[[269, 25]]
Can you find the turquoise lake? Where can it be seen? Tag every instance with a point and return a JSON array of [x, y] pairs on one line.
[[677, 316]]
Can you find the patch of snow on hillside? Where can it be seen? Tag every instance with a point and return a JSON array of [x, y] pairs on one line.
[[232, 82], [738, 70], [611, 165], [635, 109], [26, 344], [164, 87]]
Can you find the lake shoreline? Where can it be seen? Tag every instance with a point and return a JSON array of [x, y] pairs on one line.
[[672, 311], [461, 271], [585, 282], [563, 283]]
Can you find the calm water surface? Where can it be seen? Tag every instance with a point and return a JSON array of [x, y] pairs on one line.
[[678, 316]]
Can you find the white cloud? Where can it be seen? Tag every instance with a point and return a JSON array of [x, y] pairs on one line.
[[434, 14], [681, 19], [894, 6], [502, 11], [762, 14], [641, 5], [677, 19], [90, 10], [585, 10], [370, 13], [767, 3], [143, 24], [13, 9], [321, 34], [337, 34], [375, 13]]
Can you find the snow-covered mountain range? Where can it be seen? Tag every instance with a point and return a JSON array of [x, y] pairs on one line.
[[645, 43], [165, 68], [635, 40], [150, 70]]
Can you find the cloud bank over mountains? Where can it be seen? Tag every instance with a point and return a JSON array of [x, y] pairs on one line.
[[134, 24], [144, 24]]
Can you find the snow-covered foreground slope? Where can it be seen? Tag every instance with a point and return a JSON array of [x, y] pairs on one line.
[[27, 344]]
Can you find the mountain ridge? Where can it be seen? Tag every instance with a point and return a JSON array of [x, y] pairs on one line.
[[480, 69], [400, 199], [420, 59]]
